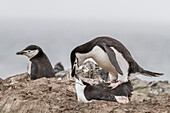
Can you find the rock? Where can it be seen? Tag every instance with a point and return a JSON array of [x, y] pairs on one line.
[[104, 75], [92, 71], [10, 81], [62, 74], [89, 70], [17, 78], [139, 97], [159, 88], [139, 84], [1, 84], [58, 67], [151, 88], [1, 80]]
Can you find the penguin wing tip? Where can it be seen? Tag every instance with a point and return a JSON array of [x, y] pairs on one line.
[[160, 74], [121, 72], [76, 76]]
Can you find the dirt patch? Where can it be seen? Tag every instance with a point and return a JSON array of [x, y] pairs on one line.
[[52, 95]]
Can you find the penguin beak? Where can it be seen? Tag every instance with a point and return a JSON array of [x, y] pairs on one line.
[[21, 53], [76, 76]]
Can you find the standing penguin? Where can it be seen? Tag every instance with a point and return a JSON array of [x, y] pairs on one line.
[[39, 65], [112, 56]]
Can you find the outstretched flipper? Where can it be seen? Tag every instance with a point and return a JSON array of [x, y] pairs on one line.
[[112, 57]]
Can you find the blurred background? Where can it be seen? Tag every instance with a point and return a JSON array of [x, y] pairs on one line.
[[58, 26]]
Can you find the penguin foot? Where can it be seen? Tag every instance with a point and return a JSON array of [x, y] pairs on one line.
[[114, 85], [122, 99]]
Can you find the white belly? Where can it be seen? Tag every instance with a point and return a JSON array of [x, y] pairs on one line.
[[80, 93], [102, 59], [29, 67]]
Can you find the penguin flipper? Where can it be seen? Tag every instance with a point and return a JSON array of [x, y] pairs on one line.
[[34, 71], [112, 57]]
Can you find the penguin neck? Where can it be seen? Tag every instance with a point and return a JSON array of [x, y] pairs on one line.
[[29, 67], [80, 88], [82, 57], [39, 57]]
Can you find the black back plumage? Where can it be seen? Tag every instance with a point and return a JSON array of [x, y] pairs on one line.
[[103, 92], [41, 66]]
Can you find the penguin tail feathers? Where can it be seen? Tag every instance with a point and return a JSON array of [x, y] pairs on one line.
[[151, 74]]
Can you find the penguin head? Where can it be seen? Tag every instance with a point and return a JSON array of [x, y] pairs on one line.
[[30, 51], [77, 60], [73, 63]]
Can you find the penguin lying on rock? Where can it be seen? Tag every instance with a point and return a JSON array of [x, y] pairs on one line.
[[112, 56], [87, 93], [39, 65]]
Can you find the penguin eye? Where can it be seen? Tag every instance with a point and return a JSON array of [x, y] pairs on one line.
[[76, 61], [29, 51]]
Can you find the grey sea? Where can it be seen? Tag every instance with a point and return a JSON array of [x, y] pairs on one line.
[[149, 43]]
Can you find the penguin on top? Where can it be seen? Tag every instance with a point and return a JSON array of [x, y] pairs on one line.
[[112, 56], [39, 65]]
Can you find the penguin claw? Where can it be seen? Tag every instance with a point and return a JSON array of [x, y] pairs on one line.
[[114, 85]]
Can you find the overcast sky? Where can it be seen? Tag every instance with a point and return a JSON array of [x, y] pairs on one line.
[[138, 20], [126, 10]]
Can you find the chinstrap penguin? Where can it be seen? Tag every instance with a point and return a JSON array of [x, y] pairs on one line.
[[112, 56], [39, 65], [87, 93]]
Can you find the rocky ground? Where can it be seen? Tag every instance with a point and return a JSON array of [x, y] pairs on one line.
[[19, 94]]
